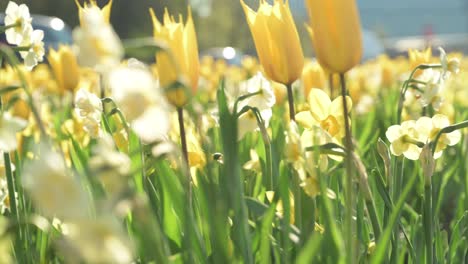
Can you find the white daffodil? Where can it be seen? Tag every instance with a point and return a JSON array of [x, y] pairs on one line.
[[109, 165], [430, 127], [258, 84], [88, 104], [9, 126], [254, 163], [431, 92], [448, 65], [100, 240], [263, 101], [306, 163], [404, 140], [137, 94], [247, 121], [324, 113], [88, 107], [19, 16], [52, 187], [36, 51]]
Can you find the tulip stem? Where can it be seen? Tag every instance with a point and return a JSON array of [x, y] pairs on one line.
[[183, 142], [349, 228], [292, 113], [330, 84]]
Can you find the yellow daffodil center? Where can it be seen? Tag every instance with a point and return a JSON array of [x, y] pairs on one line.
[[330, 124]]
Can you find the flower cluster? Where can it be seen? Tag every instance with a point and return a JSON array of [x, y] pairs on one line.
[[88, 107], [20, 32], [409, 137]]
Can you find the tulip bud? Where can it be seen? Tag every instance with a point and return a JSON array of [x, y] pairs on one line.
[[180, 61], [335, 30], [65, 68], [313, 76], [276, 40]]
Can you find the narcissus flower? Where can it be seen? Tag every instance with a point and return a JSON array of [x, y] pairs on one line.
[[324, 113], [65, 68], [19, 16], [404, 140], [276, 40], [181, 60], [109, 165], [9, 126], [89, 108], [335, 30], [136, 93], [34, 40], [52, 187], [448, 65], [100, 240], [430, 127]]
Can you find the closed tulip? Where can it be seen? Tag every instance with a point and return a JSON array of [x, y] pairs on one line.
[[313, 76], [182, 58], [276, 40], [65, 68], [335, 30]]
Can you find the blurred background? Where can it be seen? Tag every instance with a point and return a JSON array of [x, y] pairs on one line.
[[389, 26]]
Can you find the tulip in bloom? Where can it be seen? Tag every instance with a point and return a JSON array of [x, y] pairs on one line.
[[276, 40], [182, 58], [96, 42], [335, 30], [65, 68], [92, 5]]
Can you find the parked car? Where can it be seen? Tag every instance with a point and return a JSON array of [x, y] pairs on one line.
[[56, 31]]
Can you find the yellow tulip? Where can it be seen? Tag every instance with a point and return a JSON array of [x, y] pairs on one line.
[[276, 40], [182, 60], [65, 68], [336, 33], [106, 10], [313, 76]]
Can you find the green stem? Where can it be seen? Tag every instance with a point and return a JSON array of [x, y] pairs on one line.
[[330, 84], [292, 114], [267, 145], [4, 28], [428, 222], [185, 160], [349, 193], [448, 129], [10, 182], [404, 88], [374, 219], [396, 193]]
